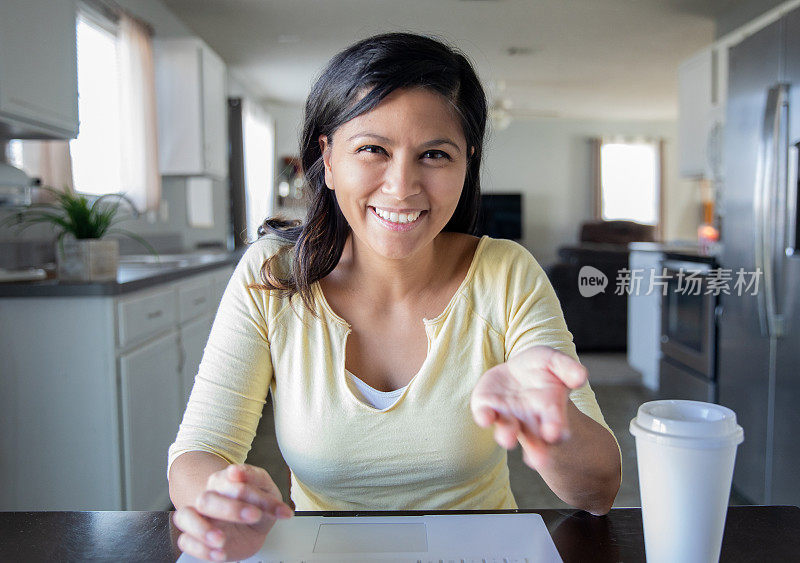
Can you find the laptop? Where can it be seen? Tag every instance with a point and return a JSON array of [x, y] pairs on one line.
[[458, 538]]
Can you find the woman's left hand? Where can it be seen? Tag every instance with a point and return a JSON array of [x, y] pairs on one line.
[[526, 399]]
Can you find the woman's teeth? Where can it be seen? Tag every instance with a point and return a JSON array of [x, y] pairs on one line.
[[397, 217]]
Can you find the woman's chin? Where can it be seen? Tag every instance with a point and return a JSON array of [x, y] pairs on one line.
[[396, 248]]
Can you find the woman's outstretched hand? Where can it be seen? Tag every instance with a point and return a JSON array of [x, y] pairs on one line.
[[526, 399], [231, 518]]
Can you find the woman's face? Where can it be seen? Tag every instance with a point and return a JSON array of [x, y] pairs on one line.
[[398, 171]]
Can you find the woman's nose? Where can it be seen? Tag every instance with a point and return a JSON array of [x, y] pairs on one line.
[[402, 178]]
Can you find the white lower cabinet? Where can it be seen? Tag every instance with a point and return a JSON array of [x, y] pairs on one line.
[[92, 391], [150, 397], [59, 433]]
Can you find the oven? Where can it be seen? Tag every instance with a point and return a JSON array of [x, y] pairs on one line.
[[688, 362]]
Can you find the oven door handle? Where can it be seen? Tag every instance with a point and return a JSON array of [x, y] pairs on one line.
[[687, 266]]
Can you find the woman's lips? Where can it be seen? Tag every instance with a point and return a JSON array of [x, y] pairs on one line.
[[401, 227]]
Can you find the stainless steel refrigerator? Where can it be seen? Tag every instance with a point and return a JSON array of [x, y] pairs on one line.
[[759, 335]]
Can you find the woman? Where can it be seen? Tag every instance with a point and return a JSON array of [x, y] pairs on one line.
[[404, 355]]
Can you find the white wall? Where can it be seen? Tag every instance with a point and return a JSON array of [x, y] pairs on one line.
[[550, 162], [288, 128], [288, 118], [287, 123]]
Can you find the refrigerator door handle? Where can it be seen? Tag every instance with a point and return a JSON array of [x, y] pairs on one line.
[[766, 183], [792, 189], [789, 249], [763, 168]]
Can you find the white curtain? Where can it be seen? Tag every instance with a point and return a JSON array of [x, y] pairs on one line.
[[50, 162], [259, 150], [140, 172]]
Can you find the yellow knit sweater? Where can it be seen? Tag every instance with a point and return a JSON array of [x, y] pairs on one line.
[[423, 452]]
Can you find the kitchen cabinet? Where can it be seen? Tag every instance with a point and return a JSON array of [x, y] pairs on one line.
[[702, 99], [150, 400], [93, 391], [196, 318], [145, 313], [191, 87], [38, 69], [702, 86]]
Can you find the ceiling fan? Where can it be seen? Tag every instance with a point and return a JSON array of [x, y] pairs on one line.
[[502, 110]]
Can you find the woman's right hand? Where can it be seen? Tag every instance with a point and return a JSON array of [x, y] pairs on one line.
[[231, 518]]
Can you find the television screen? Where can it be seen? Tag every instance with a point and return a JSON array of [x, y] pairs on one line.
[[501, 216]]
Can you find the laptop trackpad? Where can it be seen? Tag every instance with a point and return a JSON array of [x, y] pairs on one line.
[[371, 538]]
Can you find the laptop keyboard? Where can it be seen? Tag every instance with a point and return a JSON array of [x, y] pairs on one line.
[[405, 560]]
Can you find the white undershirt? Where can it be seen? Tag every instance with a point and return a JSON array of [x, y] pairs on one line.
[[379, 399]]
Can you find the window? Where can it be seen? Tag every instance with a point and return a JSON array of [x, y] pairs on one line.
[[258, 139], [628, 181], [14, 153], [96, 153], [117, 145]]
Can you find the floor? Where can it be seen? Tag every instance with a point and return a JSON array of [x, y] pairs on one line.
[[618, 393]]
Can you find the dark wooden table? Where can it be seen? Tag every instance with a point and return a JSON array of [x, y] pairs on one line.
[[752, 533]]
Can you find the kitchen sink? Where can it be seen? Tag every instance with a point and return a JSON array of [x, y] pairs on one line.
[[168, 261]]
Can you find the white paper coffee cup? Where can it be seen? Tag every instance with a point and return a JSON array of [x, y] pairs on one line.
[[685, 451]]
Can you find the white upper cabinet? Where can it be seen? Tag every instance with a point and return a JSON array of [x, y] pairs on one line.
[[192, 108], [38, 69], [702, 84], [702, 93]]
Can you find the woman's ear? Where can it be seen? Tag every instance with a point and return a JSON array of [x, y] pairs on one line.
[[325, 147]]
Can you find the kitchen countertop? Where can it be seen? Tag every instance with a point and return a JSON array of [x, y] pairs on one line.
[[130, 277], [679, 250]]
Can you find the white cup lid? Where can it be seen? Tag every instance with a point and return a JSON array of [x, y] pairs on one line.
[[687, 423]]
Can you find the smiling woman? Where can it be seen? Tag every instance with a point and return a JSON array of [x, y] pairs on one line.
[[379, 187], [356, 81], [404, 355]]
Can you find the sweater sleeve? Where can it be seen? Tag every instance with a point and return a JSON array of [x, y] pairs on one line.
[[535, 318], [235, 372]]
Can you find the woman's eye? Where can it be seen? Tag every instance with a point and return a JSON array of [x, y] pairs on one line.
[[432, 154], [436, 155], [370, 149]]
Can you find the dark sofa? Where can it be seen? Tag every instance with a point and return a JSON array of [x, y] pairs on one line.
[[599, 322]]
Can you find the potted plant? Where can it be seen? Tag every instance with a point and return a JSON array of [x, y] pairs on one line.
[[82, 251]]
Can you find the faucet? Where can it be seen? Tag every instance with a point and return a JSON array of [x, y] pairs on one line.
[[128, 200]]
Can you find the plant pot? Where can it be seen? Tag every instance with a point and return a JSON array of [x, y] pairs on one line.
[[87, 260]]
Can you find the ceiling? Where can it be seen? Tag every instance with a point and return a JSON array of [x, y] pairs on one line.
[[603, 59]]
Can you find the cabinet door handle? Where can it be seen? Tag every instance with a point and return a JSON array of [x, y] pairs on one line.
[[155, 314], [199, 301]]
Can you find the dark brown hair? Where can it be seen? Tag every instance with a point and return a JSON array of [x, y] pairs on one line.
[[378, 65]]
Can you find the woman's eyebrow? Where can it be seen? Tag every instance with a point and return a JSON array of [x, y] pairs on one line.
[[381, 138]]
